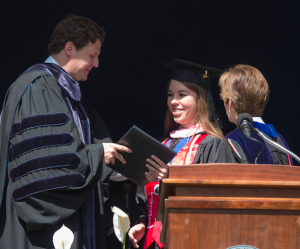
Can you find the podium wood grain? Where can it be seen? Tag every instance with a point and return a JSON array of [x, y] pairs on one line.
[[221, 229], [213, 206]]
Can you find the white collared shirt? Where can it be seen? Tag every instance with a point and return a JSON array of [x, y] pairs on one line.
[[117, 177], [258, 120], [50, 59]]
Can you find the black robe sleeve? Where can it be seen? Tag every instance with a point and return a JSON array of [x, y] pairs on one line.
[[278, 156], [100, 135], [46, 191], [215, 150]]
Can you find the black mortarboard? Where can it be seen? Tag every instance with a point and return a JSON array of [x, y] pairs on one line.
[[186, 71]]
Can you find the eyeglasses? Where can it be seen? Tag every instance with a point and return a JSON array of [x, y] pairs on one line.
[[221, 97], [225, 100]]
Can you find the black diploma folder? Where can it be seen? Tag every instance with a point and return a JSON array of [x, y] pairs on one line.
[[142, 146]]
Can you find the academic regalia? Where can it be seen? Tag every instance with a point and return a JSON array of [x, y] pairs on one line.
[[51, 162], [201, 148], [193, 145], [248, 149]]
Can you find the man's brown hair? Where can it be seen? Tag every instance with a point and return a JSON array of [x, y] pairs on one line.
[[247, 88], [76, 29]]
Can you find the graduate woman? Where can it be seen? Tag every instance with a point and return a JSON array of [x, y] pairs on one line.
[[245, 90], [192, 130]]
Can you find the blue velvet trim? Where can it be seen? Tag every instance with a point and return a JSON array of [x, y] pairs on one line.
[[31, 122], [179, 146], [266, 128], [42, 163], [39, 142], [45, 184]]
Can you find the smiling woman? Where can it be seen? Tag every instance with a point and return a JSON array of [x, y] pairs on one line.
[[192, 130], [182, 103], [189, 106]]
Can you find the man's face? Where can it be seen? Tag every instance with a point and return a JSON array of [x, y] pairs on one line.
[[81, 62]]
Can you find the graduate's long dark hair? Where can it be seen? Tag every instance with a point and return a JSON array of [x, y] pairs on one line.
[[212, 128]]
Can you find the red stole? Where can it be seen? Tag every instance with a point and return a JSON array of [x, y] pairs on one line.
[[152, 190], [185, 156]]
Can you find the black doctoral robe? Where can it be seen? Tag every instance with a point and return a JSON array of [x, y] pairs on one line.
[[215, 150], [50, 172], [211, 150]]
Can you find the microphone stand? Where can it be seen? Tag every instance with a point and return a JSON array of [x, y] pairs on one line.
[[262, 147], [278, 146]]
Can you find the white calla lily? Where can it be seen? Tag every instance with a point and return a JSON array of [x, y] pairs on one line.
[[121, 223], [63, 238]]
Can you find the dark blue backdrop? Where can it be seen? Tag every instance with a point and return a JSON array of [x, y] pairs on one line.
[[129, 87]]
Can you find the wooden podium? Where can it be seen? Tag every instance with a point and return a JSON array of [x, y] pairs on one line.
[[220, 206]]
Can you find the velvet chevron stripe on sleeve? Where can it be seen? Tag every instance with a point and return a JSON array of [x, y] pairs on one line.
[[43, 163], [52, 119], [49, 183], [39, 142]]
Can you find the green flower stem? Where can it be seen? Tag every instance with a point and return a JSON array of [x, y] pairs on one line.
[[124, 240]]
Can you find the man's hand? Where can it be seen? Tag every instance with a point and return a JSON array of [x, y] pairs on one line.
[[157, 169], [111, 153], [136, 233]]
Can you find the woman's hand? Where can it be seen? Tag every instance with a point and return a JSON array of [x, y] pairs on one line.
[[136, 233], [157, 169]]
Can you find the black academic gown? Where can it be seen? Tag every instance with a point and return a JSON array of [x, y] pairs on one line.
[[39, 196], [215, 150], [211, 150]]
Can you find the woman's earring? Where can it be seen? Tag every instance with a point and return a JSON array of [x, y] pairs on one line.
[[229, 113]]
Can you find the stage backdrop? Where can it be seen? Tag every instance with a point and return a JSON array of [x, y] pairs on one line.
[[129, 87]]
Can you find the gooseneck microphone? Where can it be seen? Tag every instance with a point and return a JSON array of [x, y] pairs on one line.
[[278, 146], [245, 123]]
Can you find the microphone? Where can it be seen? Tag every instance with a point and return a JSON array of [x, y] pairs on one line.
[[245, 123]]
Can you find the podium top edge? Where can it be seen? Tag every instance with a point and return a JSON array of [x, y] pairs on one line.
[[237, 172], [231, 183]]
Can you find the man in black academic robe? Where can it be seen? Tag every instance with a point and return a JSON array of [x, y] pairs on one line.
[[53, 146]]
